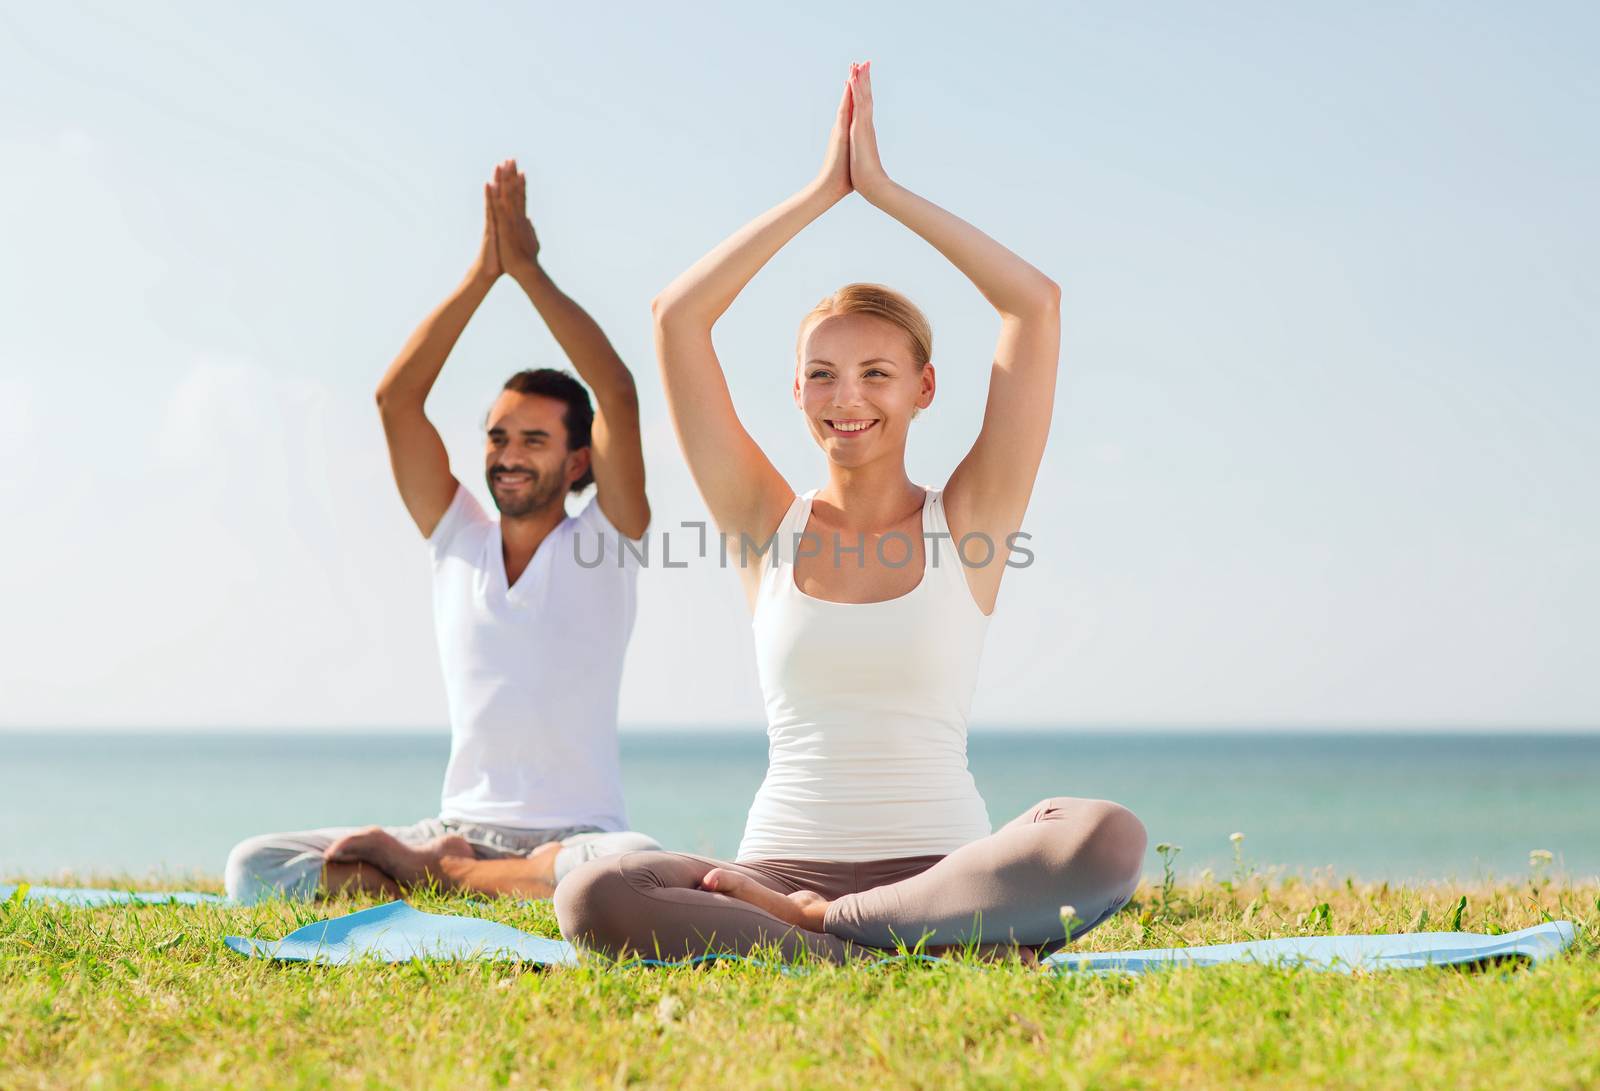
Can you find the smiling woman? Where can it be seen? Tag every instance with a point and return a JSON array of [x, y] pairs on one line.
[[868, 829], [864, 355]]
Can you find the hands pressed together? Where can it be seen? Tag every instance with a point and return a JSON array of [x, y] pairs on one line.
[[509, 243], [851, 164], [852, 161]]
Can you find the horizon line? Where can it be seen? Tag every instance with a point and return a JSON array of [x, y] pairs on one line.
[[729, 728]]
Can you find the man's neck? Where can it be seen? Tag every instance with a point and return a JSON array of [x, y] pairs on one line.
[[520, 537]]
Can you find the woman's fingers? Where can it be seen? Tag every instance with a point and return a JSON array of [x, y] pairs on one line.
[[861, 84], [835, 175], [866, 170]]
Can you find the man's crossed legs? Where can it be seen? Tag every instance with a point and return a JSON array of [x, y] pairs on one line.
[[385, 860]]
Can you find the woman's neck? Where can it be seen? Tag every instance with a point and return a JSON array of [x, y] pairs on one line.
[[871, 496]]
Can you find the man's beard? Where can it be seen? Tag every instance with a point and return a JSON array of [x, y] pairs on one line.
[[538, 495]]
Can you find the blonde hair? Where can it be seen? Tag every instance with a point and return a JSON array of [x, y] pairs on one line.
[[882, 302]]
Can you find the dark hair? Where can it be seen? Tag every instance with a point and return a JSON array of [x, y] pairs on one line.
[[550, 382]]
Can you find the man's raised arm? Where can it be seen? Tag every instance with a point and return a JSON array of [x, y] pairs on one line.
[[417, 454], [616, 453]]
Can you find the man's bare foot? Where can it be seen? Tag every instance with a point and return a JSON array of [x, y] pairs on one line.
[[355, 879], [803, 908], [530, 876], [409, 865]]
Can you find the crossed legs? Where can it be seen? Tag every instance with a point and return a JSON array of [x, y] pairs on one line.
[[375, 861], [385, 861], [1007, 888]]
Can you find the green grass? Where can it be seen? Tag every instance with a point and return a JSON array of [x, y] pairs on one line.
[[149, 997]]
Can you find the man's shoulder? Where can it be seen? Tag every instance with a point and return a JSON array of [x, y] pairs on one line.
[[593, 515], [461, 529], [590, 539]]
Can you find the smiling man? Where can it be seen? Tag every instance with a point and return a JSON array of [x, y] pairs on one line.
[[531, 629]]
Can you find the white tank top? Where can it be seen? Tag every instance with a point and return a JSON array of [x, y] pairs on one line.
[[867, 708]]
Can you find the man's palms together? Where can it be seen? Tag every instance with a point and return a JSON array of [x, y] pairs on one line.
[[518, 245]]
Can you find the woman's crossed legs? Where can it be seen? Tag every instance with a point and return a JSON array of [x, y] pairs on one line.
[[1008, 887]]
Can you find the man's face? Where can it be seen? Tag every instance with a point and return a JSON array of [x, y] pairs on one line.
[[526, 461]]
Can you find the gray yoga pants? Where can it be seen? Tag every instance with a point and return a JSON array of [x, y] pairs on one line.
[[289, 865], [1009, 887]]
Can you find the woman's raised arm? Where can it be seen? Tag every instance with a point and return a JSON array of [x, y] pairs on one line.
[[745, 492], [988, 492]]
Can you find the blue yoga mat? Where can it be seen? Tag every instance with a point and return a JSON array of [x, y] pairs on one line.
[[1342, 953], [397, 933], [90, 896]]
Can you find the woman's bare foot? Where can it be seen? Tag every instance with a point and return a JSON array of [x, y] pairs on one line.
[[806, 909], [803, 909], [409, 865]]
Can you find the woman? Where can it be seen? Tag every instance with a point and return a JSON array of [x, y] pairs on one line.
[[868, 831]]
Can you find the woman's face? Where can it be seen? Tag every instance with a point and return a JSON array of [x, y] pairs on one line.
[[858, 384]]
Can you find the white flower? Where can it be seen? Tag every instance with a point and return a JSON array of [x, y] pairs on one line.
[[1540, 856], [1236, 837]]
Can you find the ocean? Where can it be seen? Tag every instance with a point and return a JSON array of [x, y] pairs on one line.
[[1381, 806]]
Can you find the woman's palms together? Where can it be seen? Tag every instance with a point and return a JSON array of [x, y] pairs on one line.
[[852, 161], [866, 169]]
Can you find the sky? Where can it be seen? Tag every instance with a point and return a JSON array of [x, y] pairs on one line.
[[1323, 450]]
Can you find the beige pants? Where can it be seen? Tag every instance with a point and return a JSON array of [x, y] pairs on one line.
[[1008, 887]]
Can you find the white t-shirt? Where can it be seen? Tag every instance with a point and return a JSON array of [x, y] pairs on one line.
[[532, 671]]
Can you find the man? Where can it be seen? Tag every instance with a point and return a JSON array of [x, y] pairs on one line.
[[531, 629]]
